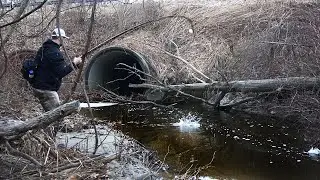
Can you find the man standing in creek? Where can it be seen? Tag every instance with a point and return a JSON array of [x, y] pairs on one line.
[[51, 68]]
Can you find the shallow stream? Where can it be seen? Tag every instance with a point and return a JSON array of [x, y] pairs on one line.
[[232, 145]]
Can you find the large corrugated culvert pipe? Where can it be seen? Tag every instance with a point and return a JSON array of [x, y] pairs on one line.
[[108, 70]]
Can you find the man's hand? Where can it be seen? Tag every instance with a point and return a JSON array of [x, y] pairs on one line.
[[77, 60]]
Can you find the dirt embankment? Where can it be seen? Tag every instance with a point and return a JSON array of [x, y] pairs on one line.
[[232, 40]]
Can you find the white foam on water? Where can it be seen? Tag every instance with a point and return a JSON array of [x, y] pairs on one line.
[[313, 151], [188, 123]]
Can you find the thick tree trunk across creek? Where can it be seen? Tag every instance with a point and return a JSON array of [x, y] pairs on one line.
[[158, 93], [10, 127], [264, 85]]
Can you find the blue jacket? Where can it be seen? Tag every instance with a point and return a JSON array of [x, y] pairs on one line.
[[51, 67]]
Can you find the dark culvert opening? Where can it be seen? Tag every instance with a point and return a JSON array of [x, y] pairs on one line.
[[105, 71]]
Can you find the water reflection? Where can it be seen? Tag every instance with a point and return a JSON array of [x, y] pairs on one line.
[[243, 147]]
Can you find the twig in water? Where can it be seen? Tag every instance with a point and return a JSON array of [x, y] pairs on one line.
[[164, 159], [207, 165], [88, 42], [101, 142], [120, 99]]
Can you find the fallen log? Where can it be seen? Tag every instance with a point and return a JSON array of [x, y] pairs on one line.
[[264, 85], [198, 90], [10, 127]]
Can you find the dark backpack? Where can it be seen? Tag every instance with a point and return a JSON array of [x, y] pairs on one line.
[[29, 69]]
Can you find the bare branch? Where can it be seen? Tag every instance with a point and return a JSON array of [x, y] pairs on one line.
[[189, 65], [4, 13], [24, 16], [120, 99], [136, 28], [7, 37], [20, 154], [23, 6], [163, 85], [58, 20], [86, 49], [42, 31]]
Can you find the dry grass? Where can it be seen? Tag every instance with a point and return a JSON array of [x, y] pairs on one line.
[[252, 41], [232, 40]]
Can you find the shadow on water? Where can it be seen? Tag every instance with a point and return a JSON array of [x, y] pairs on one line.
[[243, 146]]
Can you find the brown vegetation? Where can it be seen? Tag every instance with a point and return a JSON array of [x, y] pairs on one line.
[[230, 41]]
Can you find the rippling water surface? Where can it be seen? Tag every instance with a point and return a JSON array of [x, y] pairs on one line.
[[231, 146]]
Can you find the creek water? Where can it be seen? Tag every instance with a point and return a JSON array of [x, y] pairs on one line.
[[226, 145]]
